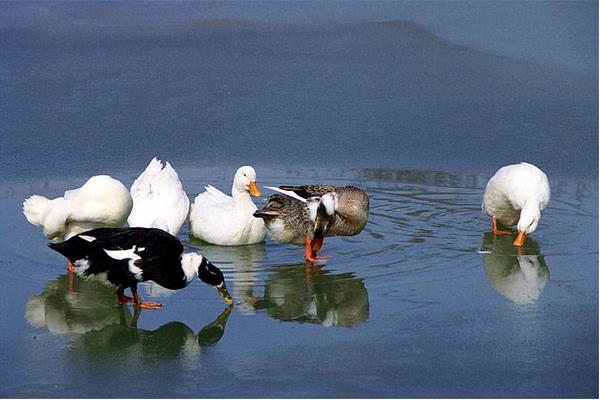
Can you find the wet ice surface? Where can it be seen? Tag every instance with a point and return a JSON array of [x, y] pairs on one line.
[[422, 303]]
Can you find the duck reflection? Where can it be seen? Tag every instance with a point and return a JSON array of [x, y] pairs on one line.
[[86, 309], [519, 274], [170, 341], [70, 304], [306, 294], [241, 265]]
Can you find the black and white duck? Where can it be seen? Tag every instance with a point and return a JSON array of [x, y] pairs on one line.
[[132, 255], [307, 214]]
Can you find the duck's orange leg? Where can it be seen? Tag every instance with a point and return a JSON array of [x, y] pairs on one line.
[[309, 254], [137, 301], [121, 298], [311, 272], [70, 284], [497, 231], [311, 247], [70, 266]]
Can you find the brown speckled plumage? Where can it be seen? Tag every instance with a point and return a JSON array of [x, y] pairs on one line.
[[292, 217], [289, 212]]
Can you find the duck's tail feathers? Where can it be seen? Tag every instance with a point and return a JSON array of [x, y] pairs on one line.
[[140, 184], [61, 248], [35, 209], [287, 193]]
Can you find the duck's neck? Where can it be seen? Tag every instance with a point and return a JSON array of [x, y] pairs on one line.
[[240, 195], [531, 207], [190, 262], [530, 215]]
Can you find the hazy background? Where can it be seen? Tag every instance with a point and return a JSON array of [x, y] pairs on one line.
[[454, 86], [557, 33]]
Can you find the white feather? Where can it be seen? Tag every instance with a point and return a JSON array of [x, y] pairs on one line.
[[159, 200], [100, 202], [215, 193], [128, 255], [190, 263], [517, 194], [81, 266], [329, 200], [227, 220], [313, 206], [137, 272], [123, 254], [287, 193]]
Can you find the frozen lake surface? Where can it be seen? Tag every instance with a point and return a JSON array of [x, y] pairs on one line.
[[423, 303]]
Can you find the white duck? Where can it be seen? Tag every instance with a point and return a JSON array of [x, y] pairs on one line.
[[159, 200], [517, 194], [227, 220], [101, 202]]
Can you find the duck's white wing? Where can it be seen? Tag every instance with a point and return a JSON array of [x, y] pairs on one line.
[[216, 195], [210, 201]]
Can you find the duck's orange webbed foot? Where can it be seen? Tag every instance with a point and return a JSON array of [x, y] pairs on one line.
[[310, 254], [497, 231], [148, 305], [122, 299]]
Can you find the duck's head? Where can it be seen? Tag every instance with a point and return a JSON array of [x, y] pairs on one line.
[[245, 181], [528, 222], [208, 273]]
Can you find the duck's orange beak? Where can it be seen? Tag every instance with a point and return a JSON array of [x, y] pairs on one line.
[[253, 189], [520, 239]]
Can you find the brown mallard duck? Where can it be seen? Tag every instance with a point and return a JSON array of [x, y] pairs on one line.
[[307, 214]]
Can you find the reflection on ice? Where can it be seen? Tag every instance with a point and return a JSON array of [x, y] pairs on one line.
[[172, 340], [298, 293], [519, 274], [85, 308], [70, 304], [305, 294], [241, 266]]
